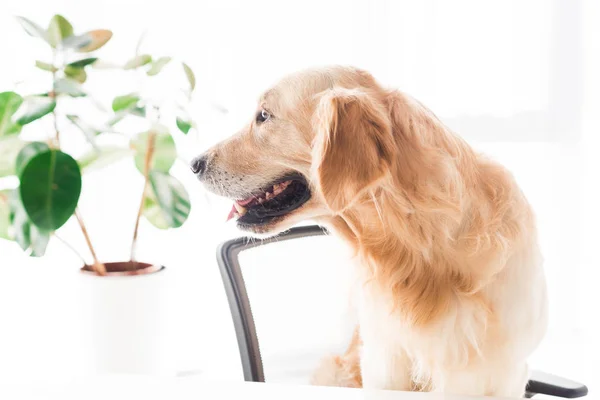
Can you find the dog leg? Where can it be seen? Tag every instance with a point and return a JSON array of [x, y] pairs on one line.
[[341, 371], [385, 367]]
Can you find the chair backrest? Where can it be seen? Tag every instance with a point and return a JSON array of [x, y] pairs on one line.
[[292, 296], [299, 292]]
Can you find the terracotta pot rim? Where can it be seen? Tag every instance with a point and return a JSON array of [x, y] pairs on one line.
[[115, 269]]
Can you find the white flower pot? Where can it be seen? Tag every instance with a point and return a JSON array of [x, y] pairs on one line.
[[126, 321]]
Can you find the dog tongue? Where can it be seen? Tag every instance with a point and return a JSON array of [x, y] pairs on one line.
[[237, 209], [245, 202], [240, 209]]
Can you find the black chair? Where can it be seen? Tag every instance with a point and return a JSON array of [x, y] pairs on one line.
[[243, 319]]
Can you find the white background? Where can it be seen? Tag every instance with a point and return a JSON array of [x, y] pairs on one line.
[[518, 79]]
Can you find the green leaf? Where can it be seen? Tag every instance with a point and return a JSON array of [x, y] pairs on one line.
[[190, 76], [39, 241], [118, 117], [138, 61], [139, 111], [9, 104], [140, 41], [10, 146], [27, 153], [164, 154], [45, 66], [34, 108], [75, 73], [125, 102], [32, 28], [50, 189], [84, 62], [167, 204], [106, 65], [58, 30], [13, 129], [158, 65], [89, 131], [5, 215], [183, 125], [104, 156], [98, 38], [27, 235], [69, 87], [76, 42]]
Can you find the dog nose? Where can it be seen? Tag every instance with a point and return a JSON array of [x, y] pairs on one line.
[[198, 165]]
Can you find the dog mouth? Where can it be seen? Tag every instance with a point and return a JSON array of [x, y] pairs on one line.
[[271, 203]]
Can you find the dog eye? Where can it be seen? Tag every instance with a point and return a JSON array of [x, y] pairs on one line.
[[262, 116]]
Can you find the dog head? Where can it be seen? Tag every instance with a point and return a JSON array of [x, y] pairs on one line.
[[317, 141]]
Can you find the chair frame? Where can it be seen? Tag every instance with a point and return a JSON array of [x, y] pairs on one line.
[[243, 320]]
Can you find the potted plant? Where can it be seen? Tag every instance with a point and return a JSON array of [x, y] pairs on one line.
[[49, 180]]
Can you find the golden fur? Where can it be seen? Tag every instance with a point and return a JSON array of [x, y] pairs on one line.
[[453, 295]]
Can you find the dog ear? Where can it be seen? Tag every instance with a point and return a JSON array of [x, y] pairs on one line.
[[353, 147]]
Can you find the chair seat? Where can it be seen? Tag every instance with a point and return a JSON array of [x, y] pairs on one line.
[[293, 367]]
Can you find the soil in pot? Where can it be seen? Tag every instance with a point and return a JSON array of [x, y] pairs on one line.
[[125, 268]]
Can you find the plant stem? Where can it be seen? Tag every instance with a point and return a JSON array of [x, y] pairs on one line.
[[98, 266], [70, 247], [53, 95], [147, 161]]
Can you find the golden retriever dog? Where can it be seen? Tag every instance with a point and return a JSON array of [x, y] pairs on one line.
[[452, 296]]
